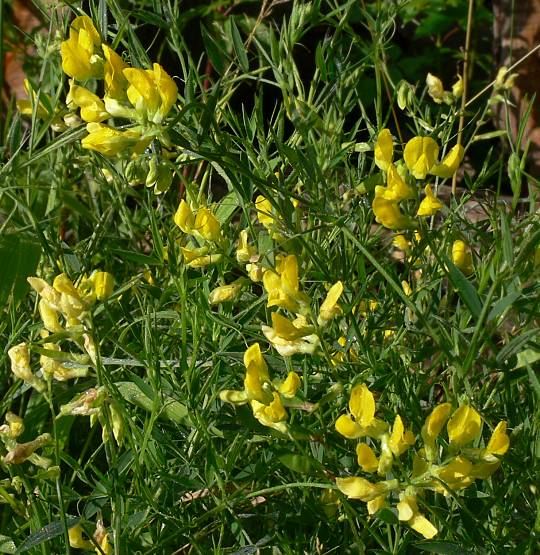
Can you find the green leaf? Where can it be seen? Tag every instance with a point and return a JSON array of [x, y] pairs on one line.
[[303, 464], [500, 306], [464, 287], [19, 257], [238, 45], [46, 533], [227, 205], [171, 409]]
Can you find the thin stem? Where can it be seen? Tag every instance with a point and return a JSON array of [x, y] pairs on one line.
[[465, 82]]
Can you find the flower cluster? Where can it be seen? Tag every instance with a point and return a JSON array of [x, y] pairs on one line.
[[265, 396], [420, 157], [144, 97], [440, 466]]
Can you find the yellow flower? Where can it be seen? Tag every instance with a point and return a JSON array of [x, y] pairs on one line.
[[271, 415], [115, 82], [366, 458], [409, 513], [400, 439], [244, 251], [436, 90], [361, 421], [376, 504], [420, 155], [92, 107], [384, 150], [430, 204], [290, 386], [27, 106], [457, 88], [283, 288], [461, 256], [402, 243], [387, 212], [20, 366], [360, 488], [49, 315], [329, 308], [207, 225], [432, 428], [110, 141], [78, 52], [456, 474], [397, 189], [226, 293], [184, 217], [102, 284], [15, 425], [152, 92], [499, 443], [464, 426], [450, 164], [200, 257], [75, 534], [290, 338]]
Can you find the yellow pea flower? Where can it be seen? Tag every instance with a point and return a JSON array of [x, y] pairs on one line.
[[420, 155], [49, 315], [115, 82], [450, 164], [376, 504], [432, 428], [290, 338], [290, 386], [360, 488], [102, 284], [497, 446], [264, 212], [79, 59], [408, 512], [402, 243], [499, 443], [283, 286], [272, 415], [20, 367], [456, 474], [226, 293], [436, 90], [329, 308], [400, 439], [430, 204], [15, 425], [184, 217], [152, 92], [387, 212], [26, 106], [110, 141], [207, 225], [244, 251], [464, 426], [397, 189], [361, 421], [199, 257], [461, 256], [457, 88], [92, 107], [75, 534], [366, 458], [384, 150]]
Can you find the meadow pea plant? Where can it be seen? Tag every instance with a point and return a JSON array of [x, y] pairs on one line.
[[266, 289]]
